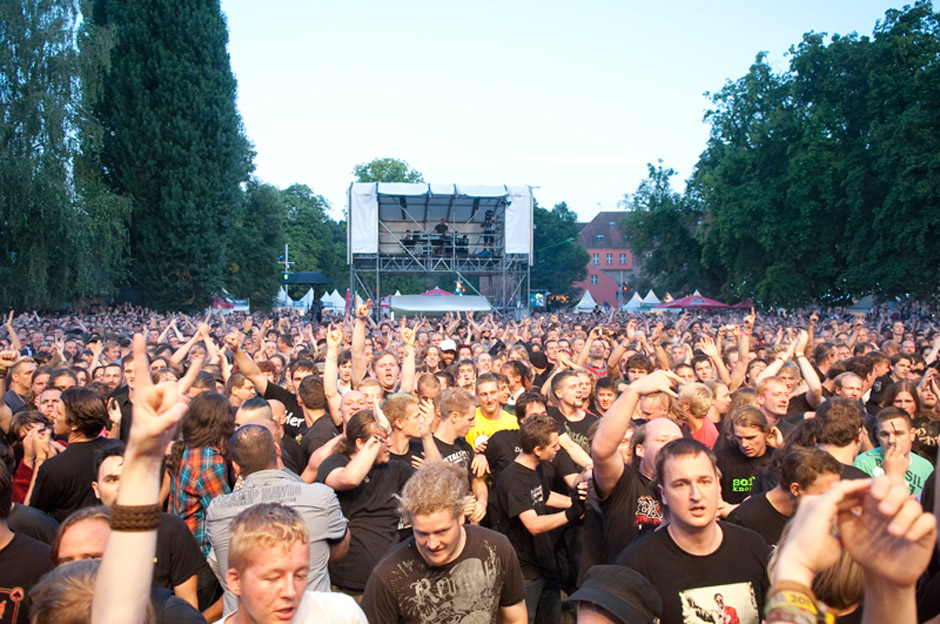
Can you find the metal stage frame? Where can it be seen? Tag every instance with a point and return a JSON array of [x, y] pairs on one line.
[[504, 279]]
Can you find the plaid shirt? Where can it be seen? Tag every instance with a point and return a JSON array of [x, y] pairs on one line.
[[201, 478]]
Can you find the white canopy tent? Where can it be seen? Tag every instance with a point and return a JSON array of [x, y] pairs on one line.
[[282, 300], [587, 303], [634, 304], [651, 299], [306, 301], [438, 304], [333, 301]]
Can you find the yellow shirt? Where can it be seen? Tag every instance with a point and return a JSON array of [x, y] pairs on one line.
[[485, 427]]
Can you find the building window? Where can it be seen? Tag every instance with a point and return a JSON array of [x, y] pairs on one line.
[[596, 259], [613, 225], [593, 280], [623, 258], [599, 238], [610, 258]]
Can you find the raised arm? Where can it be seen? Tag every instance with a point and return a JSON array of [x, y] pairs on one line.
[[586, 349], [122, 588], [408, 357], [245, 364], [709, 348], [14, 338], [608, 464], [359, 364], [351, 475], [334, 340], [814, 393]]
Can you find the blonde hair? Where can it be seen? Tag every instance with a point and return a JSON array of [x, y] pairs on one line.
[[457, 400], [64, 595], [267, 524], [436, 486], [397, 406], [698, 397]]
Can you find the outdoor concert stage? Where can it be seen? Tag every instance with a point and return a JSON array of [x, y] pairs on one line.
[[487, 231]]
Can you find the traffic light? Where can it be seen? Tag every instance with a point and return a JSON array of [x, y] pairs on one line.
[[626, 286], [286, 275]]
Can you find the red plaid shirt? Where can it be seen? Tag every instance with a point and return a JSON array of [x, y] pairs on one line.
[[201, 477]]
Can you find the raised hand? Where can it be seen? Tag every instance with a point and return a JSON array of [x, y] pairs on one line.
[[659, 381], [157, 408], [407, 333]]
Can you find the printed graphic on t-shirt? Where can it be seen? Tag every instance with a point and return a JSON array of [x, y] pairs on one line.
[[466, 594], [11, 600], [578, 438], [647, 511], [734, 603]]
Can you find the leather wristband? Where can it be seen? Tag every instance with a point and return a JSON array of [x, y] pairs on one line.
[[135, 518]]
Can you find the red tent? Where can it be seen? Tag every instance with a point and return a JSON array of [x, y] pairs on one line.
[[747, 304], [693, 302], [436, 291], [219, 302]]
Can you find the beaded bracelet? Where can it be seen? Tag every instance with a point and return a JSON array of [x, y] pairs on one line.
[[793, 603], [135, 518]]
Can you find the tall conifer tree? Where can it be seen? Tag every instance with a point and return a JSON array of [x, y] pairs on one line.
[[174, 143]]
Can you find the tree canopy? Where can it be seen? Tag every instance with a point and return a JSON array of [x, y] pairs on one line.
[[174, 143], [386, 170], [63, 233], [819, 183], [560, 260]]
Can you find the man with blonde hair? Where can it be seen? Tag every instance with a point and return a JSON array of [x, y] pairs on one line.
[[449, 571], [267, 570], [695, 400]]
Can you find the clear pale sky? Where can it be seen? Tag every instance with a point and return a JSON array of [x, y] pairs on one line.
[[573, 98]]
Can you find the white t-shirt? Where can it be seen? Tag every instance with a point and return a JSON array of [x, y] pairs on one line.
[[319, 607]]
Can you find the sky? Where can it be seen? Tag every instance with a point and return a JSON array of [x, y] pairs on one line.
[[571, 98]]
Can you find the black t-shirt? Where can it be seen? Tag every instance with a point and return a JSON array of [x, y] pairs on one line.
[[577, 431], [178, 556], [372, 511], [484, 577], [317, 434], [295, 423], [927, 430], [64, 481], [292, 455], [689, 584], [33, 523], [518, 490], [797, 407], [503, 447], [758, 515], [169, 609], [738, 472], [629, 511], [415, 449], [460, 454], [22, 562], [851, 472]]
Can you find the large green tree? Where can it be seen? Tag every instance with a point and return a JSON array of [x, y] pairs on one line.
[[62, 234], [560, 260], [823, 182], [316, 242], [661, 227], [254, 247], [174, 143], [386, 170]]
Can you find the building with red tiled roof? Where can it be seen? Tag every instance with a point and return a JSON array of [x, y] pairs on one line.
[[610, 261]]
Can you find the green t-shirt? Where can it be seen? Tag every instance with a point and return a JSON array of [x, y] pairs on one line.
[[872, 463]]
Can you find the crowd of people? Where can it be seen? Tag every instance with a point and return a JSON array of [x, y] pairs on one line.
[[720, 467]]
